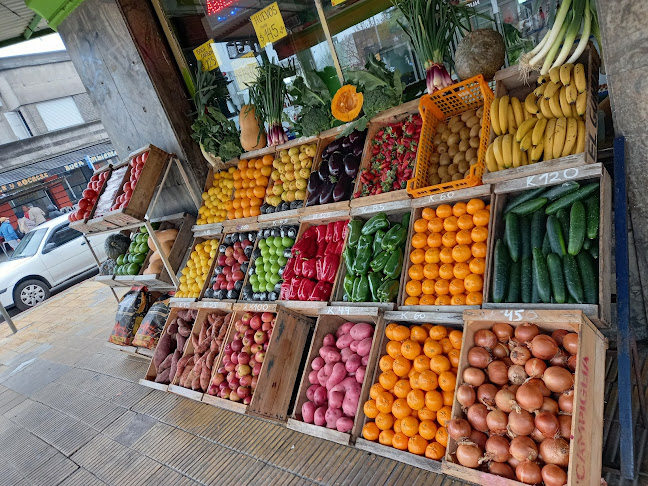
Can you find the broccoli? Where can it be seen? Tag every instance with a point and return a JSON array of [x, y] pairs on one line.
[[379, 99], [313, 120]]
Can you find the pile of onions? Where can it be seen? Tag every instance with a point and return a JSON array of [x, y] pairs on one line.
[[517, 396]]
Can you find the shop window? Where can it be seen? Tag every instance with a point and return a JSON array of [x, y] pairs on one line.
[[18, 124], [59, 113]]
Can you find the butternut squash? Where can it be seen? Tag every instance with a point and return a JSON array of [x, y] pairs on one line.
[[154, 267], [252, 136]]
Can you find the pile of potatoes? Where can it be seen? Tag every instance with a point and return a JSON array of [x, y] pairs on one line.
[[456, 144]]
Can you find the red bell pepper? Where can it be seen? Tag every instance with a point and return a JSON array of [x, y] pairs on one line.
[[321, 291], [294, 288], [321, 233], [340, 247], [331, 248], [327, 268], [321, 250], [285, 290], [309, 269], [297, 266], [340, 230], [289, 270], [306, 247], [306, 287], [330, 228]]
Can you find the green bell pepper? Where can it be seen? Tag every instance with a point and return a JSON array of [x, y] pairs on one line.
[[349, 280], [349, 255], [355, 226], [375, 223], [396, 235], [388, 291], [361, 290], [394, 265], [379, 262], [374, 284], [363, 255], [377, 243]]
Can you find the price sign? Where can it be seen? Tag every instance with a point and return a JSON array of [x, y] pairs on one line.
[[336, 2], [205, 54], [552, 177], [269, 25]]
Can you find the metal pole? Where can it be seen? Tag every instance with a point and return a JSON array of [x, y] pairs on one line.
[[7, 318], [94, 255]]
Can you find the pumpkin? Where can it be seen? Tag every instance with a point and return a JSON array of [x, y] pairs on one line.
[[479, 52], [116, 244], [347, 103], [252, 136], [154, 268]]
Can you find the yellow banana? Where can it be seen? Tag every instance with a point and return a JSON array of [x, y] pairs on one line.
[[542, 79], [579, 78], [518, 112], [503, 113], [516, 154], [551, 89], [524, 128], [570, 137], [575, 112], [581, 103], [559, 136], [580, 138], [497, 151], [527, 115], [554, 105], [538, 131], [536, 153], [545, 109], [524, 158], [554, 74], [564, 105], [565, 73], [494, 112], [539, 91], [507, 152], [549, 138], [571, 93], [530, 103], [491, 163], [526, 144], [512, 125]]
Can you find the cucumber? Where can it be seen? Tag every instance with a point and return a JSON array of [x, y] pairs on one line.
[[577, 228], [546, 246], [525, 196], [500, 271], [556, 239], [571, 300], [526, 280], [538, 229], [593, 208], [541, 273], [528, 207], [513, 294], [512, 235], [572, 279], [557, 281], [594, 251], [570, 198], [556, 192], [535, 297], [588, 276], [587, 244], [563, 217], [525, 236]]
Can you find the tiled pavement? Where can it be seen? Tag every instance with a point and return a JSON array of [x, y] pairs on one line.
[[73, 414]]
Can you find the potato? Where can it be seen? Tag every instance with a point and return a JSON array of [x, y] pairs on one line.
[[474, 131], [343, 341], [480, 113], [445, 160], [452, 169], [434, 179], [474, 142], [473, 161], [463, 166], [365, 346], [467, 115], [437, 139], [446, 179], [443, 171], [456, 128], [308, 412], [454, 120], [459, 157], [452, 150], [457, 177], [464, 133], [453, 139], [470, 153], [445, 135], [443, 148], [441, 127], [344, 329], [464, 145], [434, 158], [472, 121]]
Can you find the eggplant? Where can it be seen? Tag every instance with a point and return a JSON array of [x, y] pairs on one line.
[[313, 197], [336, 164], [342, 189], [324, 171], [333, 146], [313, 181], [358, 147], [351, 165], [346, 142], [353, 136], [326, 195]]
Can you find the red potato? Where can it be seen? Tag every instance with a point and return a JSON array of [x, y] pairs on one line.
[[353, 363], [320, 416], [308, 412], [346, 353], [330, 354], [364, 347], [344, 329], [344, 424], [365, 360], [354, 346], [344, 341], [336, 399], [331, 416], [312, 378], [360, 374], [319, 397], [310, 393], [324, 373], [329, 340], [361, 331], [337, 375], [318, 363]]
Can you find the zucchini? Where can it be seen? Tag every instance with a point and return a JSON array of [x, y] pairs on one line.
[[577, 228], [513, 294], [587, 244], [525, 196], [557, 281], [526, 280], [572, 197], [512, 235], [538, 229], [556, 239], [561, 190], [572, 279], [529, 207], [525, 236], [594, 251], [588, 276], [541, 274], [563, 218], [500, 271], [546, 246], [593, 210]]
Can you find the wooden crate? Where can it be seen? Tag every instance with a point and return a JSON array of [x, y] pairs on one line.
[[393, 115], [422, 462], [599, 313], [507, 81], [329, 320], [482, 192], [86, 225], [587, 420], [186, 257]]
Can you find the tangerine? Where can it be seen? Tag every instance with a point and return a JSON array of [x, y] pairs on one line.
[[461, 253], [420, 225], [397, 428], [419, 240], [463, 237], [460, 270], [409, 426], [418, 334], [410, 349], [478, 249], [401, 333], [413, 288], [370, 431], [393, 349], [446, 344], [448, 397], [387, 380], [474, 205], [435, 451], [459, 209], [415, 272], [458, 299], [402, 388], [432, 348], [413, 379], [428, 380], [416, 398], [442, 287], [438, 332], [456, 287], [386, 437], [428, 299], [434, 400], [434, 240], [449, 239], [465, 222], [474, 282], [447, 381], [432, 255], [417, 445], [384, 402], [399, 441], [401, 409], [444, 211], [481, 218], [439, 364], [479, 233], [386, 363], [442, 436], [384, 421], [370, 409], [455, 339], [451, 223], [477, 265], [375, 390], [444, 415], [435, 225], [401, 366], [412, 301], [389, 330], [431, 271], [427, 429], [428, 213], [474, 298], [453, 356], [426, 414], [417, 256], [421, 363], [446, 271], [446, 255]]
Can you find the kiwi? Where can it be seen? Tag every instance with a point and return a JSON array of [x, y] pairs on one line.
[[480, 113], [472, 121], [443, 171], [454, 139], [457, 177], [446, 179], [456, 128], [474, 142], [454, 120], [463, 166], [464, 133], [459, 157], [434, 179], [467, 115], [474, 131], [445, 135], [470, 153], [453, 169], [441, 127], [464, 145], [437, 139], [442, 148], [434, 157], [452, 150], [473, 161], [467, 173], [433, 168], [445, 159]]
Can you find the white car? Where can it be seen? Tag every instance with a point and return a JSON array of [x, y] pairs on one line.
[[48, 256]]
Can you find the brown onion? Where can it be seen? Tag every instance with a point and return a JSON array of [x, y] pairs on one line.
[[558, 379], [565, 422], [553, 475], [521, 423], [523, 449], [476, 416], [497, 372], [473, 376], [466, 395], [537, 436], [458, 428], [486, 394], [513, 462], [535, 367], [516, 374], [540, 385], [543, 347], [547, 423], [485, 339], [469, 455], [478, 438], [555, 451], [500, 351], [558, 335], [479, 357], [560, 359], [507, 361], [528, 472], [529, 397], [496, 420], [505, 400], [520, 355], [497, 448], [550, 405], [501, 469], [526, 332], [503, 331], [572, 361], [570, 343], [566, 402]]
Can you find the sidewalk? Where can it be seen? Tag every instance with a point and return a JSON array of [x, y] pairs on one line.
[[72, 413]]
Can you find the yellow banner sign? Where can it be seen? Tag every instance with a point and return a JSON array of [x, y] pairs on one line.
[[205, 54], [269, 25], [337, 2]]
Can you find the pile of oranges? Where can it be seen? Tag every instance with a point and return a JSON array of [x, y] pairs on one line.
[[412, 401], [251, 179], [217, 197], [449, 255]]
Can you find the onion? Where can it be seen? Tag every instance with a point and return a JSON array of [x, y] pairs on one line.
[[498, 372], [570, 343], [537, 436], [535, 367], [485, 339], [528, 472], [476, 416], [497, 449], [505, 400], [474, 376], [566, 402], [529, 397], [496, 420], [469, 455], [479, 357], [501, 469], [558, 379], [560, 359], [526, 332], [520, 355], [516, 374], [503, 331], [500, 351], [523, 448], [543, 347], [521, 423], [466, 395], [478, 438], [572, 361], [547, 423], [553, 475], [558, 335], [458, 429], [555, 451], [507, 361], [486, 394], [565, 422], [540, 385], [513, 462], [550, 405]]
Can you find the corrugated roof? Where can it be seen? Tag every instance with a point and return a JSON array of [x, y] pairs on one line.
[[15, 17]]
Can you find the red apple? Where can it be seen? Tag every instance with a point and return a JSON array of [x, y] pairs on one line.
[[256, 322], [247, 400], [267, 316], [229, 251], [238, 276], [218, 379], [260, 337], [255, 348], [245, 380], [256, 369], [243, 370], [266, 326], [89, 193], [246, 317], [244, 358], [259, 357], [237, 344]]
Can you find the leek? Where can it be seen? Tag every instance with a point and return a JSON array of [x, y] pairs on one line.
[[570, 35], [584, 37]]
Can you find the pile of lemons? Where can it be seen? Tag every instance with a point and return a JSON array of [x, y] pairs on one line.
[[196, 271], [214, 208]]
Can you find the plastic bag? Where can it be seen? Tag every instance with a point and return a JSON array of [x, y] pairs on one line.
[[130, 313], [149, 331]]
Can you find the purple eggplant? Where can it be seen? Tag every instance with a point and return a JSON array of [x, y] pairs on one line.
[[333, 146], [351, 165], [342, 189], [358, 147], [336, 164], [315, 195], [346, 143], [355, 134], [314, 181], [326, 196], [324, 171]]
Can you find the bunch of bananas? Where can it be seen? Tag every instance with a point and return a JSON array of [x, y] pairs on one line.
[[547, 125]]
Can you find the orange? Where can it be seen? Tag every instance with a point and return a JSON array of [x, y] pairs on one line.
[[446, 255], [461, 253], [415, 272], [447, 345], [432, 348], [443, 300], [401, 333], [413, 379], [267, 159], [246, 212], [409, 426], [384, 421], [399, 441], [442, 436], [266, 171], [428, 299], [458, 299], [419, 240], [255, 211], [418, 334], [258, 191], [400, 408], [416, 398], [413, 288], [442, 287], [389, 330], [460, 270], [428, 380], [426, 414], [456, 287], [249, 173], [245, 202], [487, 208], [449, 239], [370, 431], [370, 409], [417, 256], [428, 286], [238, 213], [412, 301], [479, 233], [386, 437], [402, 388], [384, 402], [444, 415], [444, 211], [243, 164], [393, 349], [432, 255], [434, 240], [421, 363], [262, 181], [477, 265], [434, 400], [474, 298], [439, 364], [402, 366], [417, 445], [435, 225], [455, 339], [446, 271], [420, 225], [447, 381], [375, 390], [481, 217], [463, 237], [410, 349], [453, 356], [459, 209], [475, 205], [427, 429], [435, 451], [387, 380], [448, 397], [428, 213], [451, 223], [386, 363], [431, 270], [478, 249], [438, 332], [236, 203], [474, 283], [465, 222]]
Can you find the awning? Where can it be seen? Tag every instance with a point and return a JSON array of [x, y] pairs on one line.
[[18, 23]]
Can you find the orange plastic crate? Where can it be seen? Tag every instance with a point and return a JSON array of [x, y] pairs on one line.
[[442, 105]]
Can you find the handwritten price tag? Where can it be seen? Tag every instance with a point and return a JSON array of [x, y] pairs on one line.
[[552, 177], [205, 54], [444, 196], [269, 25]]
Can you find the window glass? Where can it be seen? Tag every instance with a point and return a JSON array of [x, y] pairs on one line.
[[28, 246], [59, 113], [62, 235], [17, 125]]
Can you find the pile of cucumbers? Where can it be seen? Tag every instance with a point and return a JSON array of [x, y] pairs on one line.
[[549, 250]]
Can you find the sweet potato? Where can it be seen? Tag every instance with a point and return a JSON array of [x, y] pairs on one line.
[[308, 412], [166, 363], [360, 374], [319, 397], [205, 375], [181, 342], [344, 329], [353, 363], [329, 340], [174, 364], [209, 360], [337, 375], [335, 399], [331, 416], [361, 331], [330, 354], [195, 341], [318, 363], [173, 327], [162, 351], [313, 378], [319, 417], [343, 341], [163, 377], [344, 424], [364, 346], [182, 363]]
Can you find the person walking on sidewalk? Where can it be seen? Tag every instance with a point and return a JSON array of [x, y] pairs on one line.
[[8, 233], [36, 214], [25, 225]]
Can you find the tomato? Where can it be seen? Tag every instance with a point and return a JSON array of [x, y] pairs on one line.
[[89, 194], [95, 177], [127, 187], [144, 156]]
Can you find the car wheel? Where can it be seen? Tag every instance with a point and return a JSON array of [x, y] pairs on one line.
[[29, 293]]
